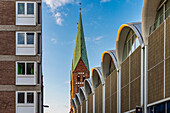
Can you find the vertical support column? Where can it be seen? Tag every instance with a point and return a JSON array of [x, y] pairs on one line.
[[104, 98], [93, 102], [142, 75], [164, 44], [119, 93], [146, 79], [81, 109], [86, 106]]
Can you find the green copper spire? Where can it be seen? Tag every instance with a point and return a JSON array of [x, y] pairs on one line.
[[80, 47]]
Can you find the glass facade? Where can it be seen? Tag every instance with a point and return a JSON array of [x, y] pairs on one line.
[[130, 45], [160, 108], [161, 13]]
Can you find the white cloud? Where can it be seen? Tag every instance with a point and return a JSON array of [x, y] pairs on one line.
[[55, 5], [58, 18], [102, 1], [54, 40], [98, 38]]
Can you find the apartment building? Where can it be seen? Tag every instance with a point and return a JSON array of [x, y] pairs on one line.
[[135, 77], [21, 84]]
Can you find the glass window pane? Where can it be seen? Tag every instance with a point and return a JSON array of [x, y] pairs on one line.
[[30, 97], [30, 68], [78, 78], [167, 9], [21, 68], [168, 107], [20, 38], [83, 79], [21, 98], [21, 8], [30, 8], [30, 38]]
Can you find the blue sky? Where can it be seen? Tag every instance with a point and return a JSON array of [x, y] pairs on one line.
[[101, 21]]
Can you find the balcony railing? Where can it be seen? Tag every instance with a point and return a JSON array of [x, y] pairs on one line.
[[159, 21]]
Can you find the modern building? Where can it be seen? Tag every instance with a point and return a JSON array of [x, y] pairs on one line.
[[80, 66], [21, 85], [135, 77]]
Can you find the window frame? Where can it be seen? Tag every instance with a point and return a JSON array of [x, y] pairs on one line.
[[25, 40], [25, 98], [25, 11], [26, 68]]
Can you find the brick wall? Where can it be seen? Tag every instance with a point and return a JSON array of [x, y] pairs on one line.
[[7, 73], [7, 12], [7, 43], [81, 67], [7, 102]]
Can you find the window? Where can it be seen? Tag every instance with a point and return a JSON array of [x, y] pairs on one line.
[[21, 39], [25, 43], [26, 13], [83, 79], [30, 68], [30, 38], [21, 68], [39, 74], [78, 78], [21, 8], [131, 44], [30, 8], [39, 43], [25, 8], [25, 68], [25, 38], [25, 97], [21, 97], [160, 108], [39, 13], [30, 97]]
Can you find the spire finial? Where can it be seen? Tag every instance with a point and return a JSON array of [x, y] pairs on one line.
[[80, 6]]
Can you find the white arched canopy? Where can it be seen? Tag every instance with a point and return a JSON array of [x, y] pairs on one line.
[[96, 77], [74, 103], [88, 86], [130, 32], [77, 98], [82, 94], [108, 63]]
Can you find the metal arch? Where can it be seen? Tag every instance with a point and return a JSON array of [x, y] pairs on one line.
[[138, 31], [112, 53], [78, 97], [90, 84], [83, 91], [74, 103], [136, 27], [98, 70]]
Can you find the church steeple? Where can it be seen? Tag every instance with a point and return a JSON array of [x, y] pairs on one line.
[[80, 66], [80, 47]]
